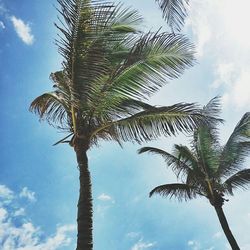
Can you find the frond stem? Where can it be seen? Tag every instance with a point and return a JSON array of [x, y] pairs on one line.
[[73, 118]]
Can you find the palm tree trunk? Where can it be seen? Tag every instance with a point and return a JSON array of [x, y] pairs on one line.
[[85, 212], [226, 229]]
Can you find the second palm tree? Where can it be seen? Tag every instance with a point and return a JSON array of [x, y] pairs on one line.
[[207, 169]]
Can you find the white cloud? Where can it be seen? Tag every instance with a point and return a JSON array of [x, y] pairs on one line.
[[225, 73], [28, 237], [26, 193], [2, 26], [24, 235], [101, 209], [218, 235], [140, 245], [104, 197], [5, 192], [6, 195], [196, 245], [3, 214], [222, 38], [240, 92], [201, 31], [19, 212], [235, 79], [23, 30], [133, 235]]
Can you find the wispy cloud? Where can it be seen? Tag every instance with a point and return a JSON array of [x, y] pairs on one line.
[[28, 237], [141, 245], [6, 195], [106, 202], [2, 26], [218, 235], [28, 194], [225, 40], [24, 235], [19, 212], [5, 192], [195, 245], [23, 30], [3, 214], [133, 235], [104, 197]]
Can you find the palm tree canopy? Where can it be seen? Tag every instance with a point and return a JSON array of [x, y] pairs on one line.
[[207, 168], [110, 68]]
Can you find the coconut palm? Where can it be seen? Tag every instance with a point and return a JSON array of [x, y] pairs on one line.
[[207, 169], [109, 71], [174, 12]]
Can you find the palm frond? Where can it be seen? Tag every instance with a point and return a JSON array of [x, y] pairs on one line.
[[54, 108], [129, 107], [174, 12], [125, 20], [236, 148], [239, 180], [151, 61], [153, 58], [177, 190], [172, 161], [152, 123], [207, 150], [88, 31], [61, 82], [213, 110], [186, 155], [63, 140]]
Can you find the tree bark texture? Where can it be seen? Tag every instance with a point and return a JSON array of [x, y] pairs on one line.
[[85, 210], [226, 229]]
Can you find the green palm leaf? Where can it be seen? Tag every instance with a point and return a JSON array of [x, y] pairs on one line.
[[154, 122], [178, 190], [174, 11], [53, 108], [150, 62], [207, 151], [241, 179], [236, 148], [152, 58], [90, 31], [177, 164]]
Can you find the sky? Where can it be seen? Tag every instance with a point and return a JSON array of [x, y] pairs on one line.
[[39, 182]]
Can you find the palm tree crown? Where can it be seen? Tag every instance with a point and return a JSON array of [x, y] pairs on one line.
[[207, 169], [109, 69]]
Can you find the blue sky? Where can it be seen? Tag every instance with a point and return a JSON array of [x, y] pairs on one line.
[[39, 182]]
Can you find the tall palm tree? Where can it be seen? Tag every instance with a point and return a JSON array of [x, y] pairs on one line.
[[208, 169], [109, 70]]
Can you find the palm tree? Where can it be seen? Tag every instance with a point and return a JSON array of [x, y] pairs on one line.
[[208, 169], [174, 12], [109, 70]]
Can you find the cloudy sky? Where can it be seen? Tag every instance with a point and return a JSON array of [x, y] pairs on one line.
[[39, 183]]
